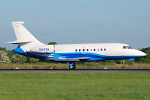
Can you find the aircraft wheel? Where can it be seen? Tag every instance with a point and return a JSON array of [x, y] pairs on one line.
[[72, 67]]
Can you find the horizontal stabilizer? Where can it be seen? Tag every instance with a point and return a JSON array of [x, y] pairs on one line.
[[17, 42]]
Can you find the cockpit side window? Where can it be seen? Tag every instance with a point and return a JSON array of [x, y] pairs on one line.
[[130, 47], [124, 47], [127, 47]]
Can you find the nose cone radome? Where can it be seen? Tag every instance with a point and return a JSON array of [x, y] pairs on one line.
[[142, 54]]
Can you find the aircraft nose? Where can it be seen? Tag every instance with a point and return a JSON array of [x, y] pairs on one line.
[[142, 53]]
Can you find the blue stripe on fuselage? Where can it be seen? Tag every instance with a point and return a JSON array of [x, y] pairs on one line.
[[121, 57]]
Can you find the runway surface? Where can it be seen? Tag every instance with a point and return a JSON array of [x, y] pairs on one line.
[[67, 70]]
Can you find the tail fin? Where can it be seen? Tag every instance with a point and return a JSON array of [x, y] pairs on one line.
[[24, 38]]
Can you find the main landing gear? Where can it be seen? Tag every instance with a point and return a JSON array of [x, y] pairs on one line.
[[72, 65]]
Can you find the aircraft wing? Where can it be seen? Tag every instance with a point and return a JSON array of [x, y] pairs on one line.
[[73, 59]]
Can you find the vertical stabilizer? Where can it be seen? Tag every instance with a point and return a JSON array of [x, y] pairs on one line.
[[22, 33], [24, 38]]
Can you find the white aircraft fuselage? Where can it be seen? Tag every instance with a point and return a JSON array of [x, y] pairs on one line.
[[28, 45]]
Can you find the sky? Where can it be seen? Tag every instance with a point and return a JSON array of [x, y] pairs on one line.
[[78, 21]]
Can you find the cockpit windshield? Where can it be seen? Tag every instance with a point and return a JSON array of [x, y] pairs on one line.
[[127, 47]]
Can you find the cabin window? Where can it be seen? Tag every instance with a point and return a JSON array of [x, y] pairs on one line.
[[83, 50], [97, 49], [91, 49], [79, 50], [87, 49], [94, 50], [101, 49], [105, 49], [76, 50]]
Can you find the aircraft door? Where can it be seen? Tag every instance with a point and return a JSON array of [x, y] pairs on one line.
[[54, 48]]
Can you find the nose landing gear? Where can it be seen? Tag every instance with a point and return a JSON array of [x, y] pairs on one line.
[[123, 63]]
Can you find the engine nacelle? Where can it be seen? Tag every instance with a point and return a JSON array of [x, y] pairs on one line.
[[42, 49]]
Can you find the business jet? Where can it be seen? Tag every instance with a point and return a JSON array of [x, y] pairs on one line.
[[29, 46]]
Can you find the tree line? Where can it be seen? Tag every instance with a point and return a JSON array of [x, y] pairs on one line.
[[145, 59]]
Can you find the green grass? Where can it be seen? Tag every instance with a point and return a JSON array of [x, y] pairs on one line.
[[74, 86]]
